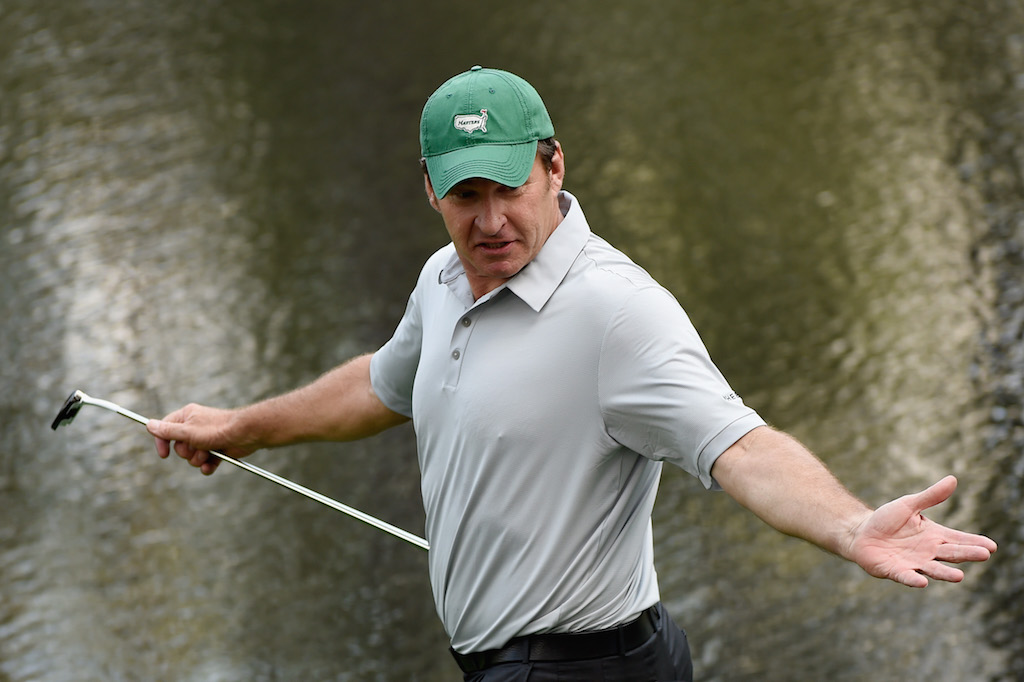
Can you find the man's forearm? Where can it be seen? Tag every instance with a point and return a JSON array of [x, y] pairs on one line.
[[339, 406], [788, 487]]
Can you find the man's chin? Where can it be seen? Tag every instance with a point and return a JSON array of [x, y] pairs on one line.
[[500, 268]]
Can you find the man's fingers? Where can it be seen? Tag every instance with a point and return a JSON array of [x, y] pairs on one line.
[[911, 578], [940, 571], [979, 548], [958, 546], [163, 447], [934, 494], [184, 450], [932, 569], [193, 456], [201, 459], [166, 430], [179, 431]]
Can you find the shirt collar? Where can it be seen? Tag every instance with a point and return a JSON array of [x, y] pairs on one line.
[[536, 282]]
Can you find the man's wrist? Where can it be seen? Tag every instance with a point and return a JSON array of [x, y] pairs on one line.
[[846, 544]]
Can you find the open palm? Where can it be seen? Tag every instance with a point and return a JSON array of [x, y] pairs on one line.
[[897, 542]]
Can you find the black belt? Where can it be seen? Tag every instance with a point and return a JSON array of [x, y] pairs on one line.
[[573, 646]]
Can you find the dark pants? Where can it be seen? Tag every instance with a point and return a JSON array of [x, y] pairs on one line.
[[665, 657]]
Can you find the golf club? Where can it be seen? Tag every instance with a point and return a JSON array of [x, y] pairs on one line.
[[77, 399]]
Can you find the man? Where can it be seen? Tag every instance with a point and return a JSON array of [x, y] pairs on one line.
[[547, 377]]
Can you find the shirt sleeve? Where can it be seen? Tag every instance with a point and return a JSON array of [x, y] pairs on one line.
[[661, 395], [393, 367]]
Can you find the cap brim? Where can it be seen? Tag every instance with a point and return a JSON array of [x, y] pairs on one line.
[[508, 164]]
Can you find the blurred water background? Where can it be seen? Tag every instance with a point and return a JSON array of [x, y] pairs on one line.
[[217, 201]]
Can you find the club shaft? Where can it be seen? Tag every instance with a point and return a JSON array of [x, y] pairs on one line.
[[291, 485], [113, 407], [323, 499]]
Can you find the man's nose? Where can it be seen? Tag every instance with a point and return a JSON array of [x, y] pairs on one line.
[[491, 217]]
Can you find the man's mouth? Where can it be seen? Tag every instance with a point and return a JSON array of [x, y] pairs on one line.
[[493, 247]]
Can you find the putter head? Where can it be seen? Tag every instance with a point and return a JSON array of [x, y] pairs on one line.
[[69, 410]]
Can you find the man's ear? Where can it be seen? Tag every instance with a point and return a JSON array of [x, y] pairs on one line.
[[558, 166], [431, 197]]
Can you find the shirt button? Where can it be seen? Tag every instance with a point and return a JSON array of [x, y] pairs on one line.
[[466, 322], [456, 355]]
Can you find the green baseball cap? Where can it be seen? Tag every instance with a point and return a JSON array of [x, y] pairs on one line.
[[483, 123]]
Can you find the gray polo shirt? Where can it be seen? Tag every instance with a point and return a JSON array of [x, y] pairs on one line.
[[542, 413]]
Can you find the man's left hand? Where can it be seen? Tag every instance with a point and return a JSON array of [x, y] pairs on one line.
[[897, 542]]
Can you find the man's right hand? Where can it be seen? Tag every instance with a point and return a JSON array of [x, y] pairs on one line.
[[193, 431]]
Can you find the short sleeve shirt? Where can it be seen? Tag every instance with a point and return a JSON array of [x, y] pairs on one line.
[[542, 414]]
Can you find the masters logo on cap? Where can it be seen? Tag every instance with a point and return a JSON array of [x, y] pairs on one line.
[[472, 122], [484, 123]]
